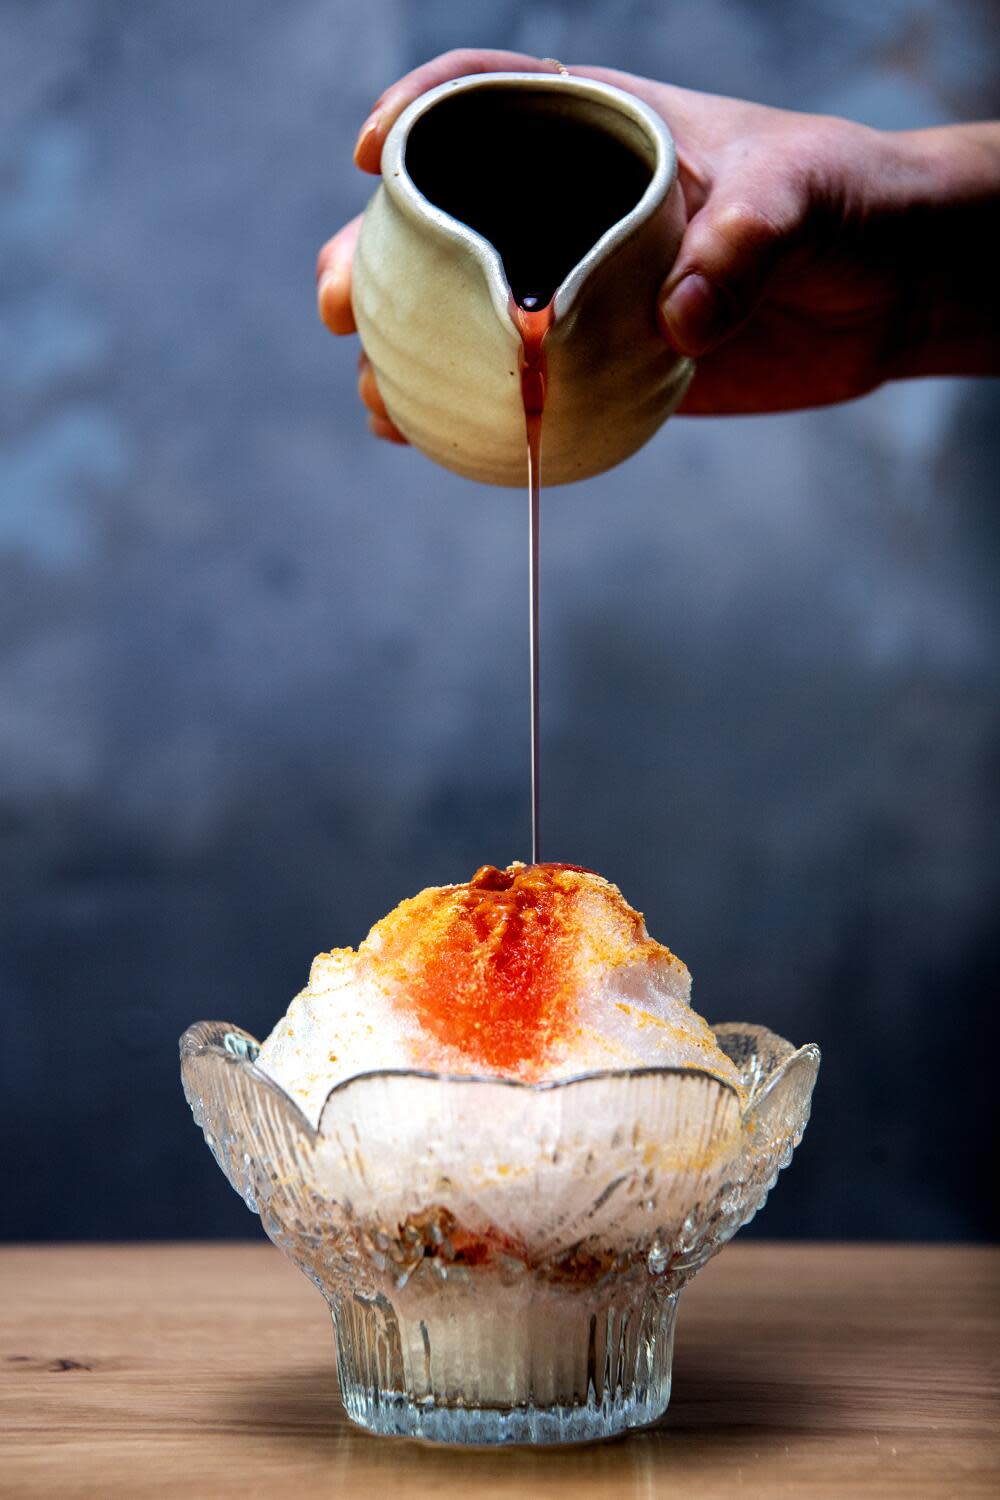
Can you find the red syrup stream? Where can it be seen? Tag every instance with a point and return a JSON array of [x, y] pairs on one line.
[[533, 323]]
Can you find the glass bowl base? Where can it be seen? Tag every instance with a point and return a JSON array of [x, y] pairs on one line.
[[524, 1366], [392, 1414]]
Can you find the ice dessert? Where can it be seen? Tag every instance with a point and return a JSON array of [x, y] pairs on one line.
[[536, 973], [534, 1145]]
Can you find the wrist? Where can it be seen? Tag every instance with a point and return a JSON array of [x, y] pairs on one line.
[[938, 199]]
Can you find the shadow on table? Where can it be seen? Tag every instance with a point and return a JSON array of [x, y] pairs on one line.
[[717, 1417]]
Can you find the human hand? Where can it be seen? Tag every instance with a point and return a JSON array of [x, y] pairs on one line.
[[820, 257]]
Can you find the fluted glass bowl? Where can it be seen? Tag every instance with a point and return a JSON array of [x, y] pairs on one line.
[[503, 1260]]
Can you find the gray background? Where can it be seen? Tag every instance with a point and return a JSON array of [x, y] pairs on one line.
[[262, 677]]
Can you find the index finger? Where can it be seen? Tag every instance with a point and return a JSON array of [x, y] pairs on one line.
[[457, 64]]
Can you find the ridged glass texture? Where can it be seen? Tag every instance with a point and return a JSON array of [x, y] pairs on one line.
[[503, 1260]]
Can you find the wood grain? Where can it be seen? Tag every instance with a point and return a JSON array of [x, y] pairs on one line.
[[207, 1370]]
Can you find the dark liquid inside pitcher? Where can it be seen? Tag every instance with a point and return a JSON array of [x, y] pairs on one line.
[[532, 173]]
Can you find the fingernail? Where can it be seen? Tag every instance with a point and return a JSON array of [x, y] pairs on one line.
[[693, 314], [368, 130]]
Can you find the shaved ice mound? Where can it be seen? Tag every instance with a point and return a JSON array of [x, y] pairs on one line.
[[536, 973]]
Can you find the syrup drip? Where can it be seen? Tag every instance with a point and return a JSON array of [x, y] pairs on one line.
[[533, 318]]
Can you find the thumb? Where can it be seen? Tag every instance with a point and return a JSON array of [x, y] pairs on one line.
[[729, 250]]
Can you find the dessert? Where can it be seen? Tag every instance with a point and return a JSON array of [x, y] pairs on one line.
[[499, 1141], [535, 973]]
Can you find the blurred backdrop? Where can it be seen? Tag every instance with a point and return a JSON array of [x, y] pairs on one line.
[[261, 677]]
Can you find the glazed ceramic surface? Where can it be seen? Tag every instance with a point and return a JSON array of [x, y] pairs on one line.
[[503, 1261], [433, 307]]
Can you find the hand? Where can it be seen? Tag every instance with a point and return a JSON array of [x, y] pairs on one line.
[[820, 258]]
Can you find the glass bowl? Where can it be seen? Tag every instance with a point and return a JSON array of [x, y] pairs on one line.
[[503, 1260]]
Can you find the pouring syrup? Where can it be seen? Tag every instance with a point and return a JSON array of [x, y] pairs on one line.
[[533, 318]]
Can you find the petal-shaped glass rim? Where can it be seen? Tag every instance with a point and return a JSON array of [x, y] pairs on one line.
[[233, 1044]]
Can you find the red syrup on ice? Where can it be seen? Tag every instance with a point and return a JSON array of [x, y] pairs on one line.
[[533, 318]]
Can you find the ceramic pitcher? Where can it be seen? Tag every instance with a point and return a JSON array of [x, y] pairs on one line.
[[507, 187]]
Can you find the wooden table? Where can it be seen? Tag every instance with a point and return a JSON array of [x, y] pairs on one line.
[[204, 1370]]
